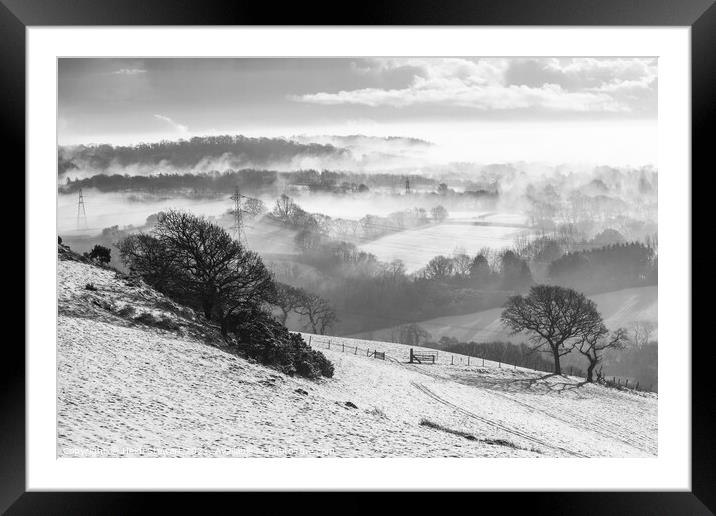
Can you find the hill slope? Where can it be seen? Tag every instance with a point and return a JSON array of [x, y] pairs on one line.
[[619, 308], [134, 385]]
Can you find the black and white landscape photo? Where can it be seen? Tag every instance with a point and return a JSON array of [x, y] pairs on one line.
[[357, 257]]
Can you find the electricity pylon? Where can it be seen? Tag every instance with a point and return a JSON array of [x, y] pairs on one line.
[[81, 208], [238, 213]]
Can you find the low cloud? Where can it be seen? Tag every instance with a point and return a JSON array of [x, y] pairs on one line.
[[586, 85]]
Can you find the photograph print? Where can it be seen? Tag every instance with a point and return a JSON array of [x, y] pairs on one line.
[[357, 257]]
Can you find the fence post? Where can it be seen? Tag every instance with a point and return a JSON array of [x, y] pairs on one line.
[[452, 360], [483, 360], [499, 364], [344, 347], [356, 351], [468, 360], [309, 339], [329, 343]]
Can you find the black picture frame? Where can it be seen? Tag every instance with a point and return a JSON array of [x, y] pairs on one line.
[[700, 15]]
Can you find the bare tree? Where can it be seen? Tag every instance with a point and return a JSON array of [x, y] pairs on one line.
[[596, 342], [439, 267], [146, 256], [413, 334], [319, 313], [254, 207], [394, 271], [462, 263], [556, 318], [200, 264], [284, 207], [287, 299], [642, 332]]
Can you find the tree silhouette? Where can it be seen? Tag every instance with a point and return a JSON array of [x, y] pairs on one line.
[[594, 343], [319, 313], [556, 318], [200, 264], [288, 299], [438, 268]]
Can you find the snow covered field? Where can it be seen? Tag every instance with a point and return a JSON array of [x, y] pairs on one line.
[[129, 389], [416, 247]]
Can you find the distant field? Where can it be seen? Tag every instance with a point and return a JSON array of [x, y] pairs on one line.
[[619, 308], [416, 247]]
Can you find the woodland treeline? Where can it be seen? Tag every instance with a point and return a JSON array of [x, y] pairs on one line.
[[249, 180], [189, 153]]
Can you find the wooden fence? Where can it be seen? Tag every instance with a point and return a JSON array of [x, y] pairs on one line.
[[527, 363], [341, 346]]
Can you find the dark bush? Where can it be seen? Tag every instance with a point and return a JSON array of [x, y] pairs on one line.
[[100, 254], [126, 311], [90, 286], [164, 323], [267, 341]]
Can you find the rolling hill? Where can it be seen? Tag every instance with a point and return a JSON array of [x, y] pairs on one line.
[[139, 375], [618, 308]]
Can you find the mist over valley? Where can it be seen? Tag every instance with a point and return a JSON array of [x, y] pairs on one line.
[[474, 238]]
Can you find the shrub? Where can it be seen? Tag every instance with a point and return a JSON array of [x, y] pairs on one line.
[[164, 323], [90, 286], [262, 338], [126, 311], [100, 254]]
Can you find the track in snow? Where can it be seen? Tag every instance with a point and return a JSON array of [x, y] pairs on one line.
[[425, 390], [598, 428], [592, 426]]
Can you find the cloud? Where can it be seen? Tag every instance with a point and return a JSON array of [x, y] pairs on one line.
[[179, 127], [605, 68], [128, 71], [549, 84], [491, 97]]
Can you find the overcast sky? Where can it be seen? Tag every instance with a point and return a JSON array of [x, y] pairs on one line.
[[483, 109]]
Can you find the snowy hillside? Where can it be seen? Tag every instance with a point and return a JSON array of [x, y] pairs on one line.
[[619, 309], [141, 376]]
